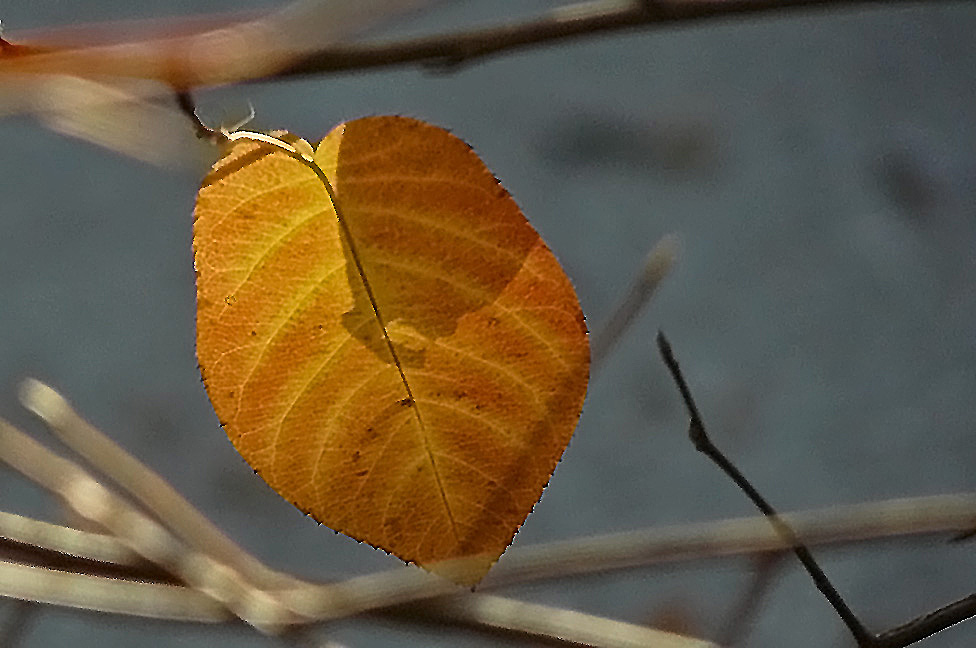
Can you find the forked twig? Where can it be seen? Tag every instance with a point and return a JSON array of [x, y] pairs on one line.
[[699, 437], [906, 634]]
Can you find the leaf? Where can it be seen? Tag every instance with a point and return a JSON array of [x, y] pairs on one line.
[[407, 372]]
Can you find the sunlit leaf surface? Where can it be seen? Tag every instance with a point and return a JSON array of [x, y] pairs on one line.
[[407, 372]]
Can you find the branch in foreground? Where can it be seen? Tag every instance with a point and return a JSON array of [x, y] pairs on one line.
[[749, 536], [202, 566], [607, 554]]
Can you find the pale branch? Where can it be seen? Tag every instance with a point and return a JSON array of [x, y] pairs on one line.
[[565, 23], [95, 503], [382, 592], [66, 541], [656, 267], [145, 486], [688, 543], [264, 609], [533, 620], [109, 595]]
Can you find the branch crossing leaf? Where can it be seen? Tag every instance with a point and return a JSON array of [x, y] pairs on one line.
[[385, 338]]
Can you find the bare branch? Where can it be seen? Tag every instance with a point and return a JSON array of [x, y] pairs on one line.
[[532, 620], [144, 485], [143, 535], [572, 21], [112, 595], [262, 50], [927, 624], [699, 436], [65, 540]]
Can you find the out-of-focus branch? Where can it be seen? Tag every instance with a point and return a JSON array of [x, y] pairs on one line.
[[263, 50], [141, 483], [532, 620], [689, 543], [656, 267], [572, 21], [214, 589]]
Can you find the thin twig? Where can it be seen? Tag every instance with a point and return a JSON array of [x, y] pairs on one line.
[[688, 543], [904, 517], [109, 595], [702, 442], [186, 104], [89, 499], [657, 265], [927, 624], [145, 486], [65, 540]]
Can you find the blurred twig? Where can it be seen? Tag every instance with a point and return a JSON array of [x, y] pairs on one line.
[[51, 549], [190, 548], [143, 485], [657, 265], [265, 50], [521, 618]]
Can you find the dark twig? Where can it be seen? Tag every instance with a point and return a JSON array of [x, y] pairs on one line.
[[696, 430], [272, 59], [446, 51], [927, 624]]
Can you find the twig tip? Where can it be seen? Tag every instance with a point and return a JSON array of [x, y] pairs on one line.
[[661, 259], [40, 399]]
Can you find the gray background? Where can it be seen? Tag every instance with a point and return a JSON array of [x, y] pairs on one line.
[[820, 171]]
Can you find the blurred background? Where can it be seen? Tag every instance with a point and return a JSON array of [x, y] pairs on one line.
[[819, 169]]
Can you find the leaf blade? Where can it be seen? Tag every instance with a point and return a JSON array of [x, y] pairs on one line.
[[426, 402]]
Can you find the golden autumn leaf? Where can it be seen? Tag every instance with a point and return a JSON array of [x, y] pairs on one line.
[[386, 339]]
